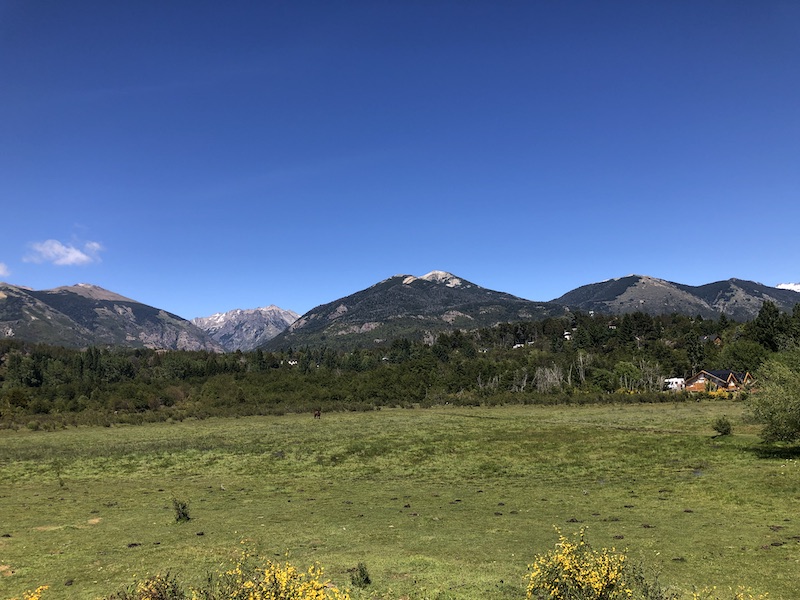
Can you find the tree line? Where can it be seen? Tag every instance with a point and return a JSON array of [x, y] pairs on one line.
[[577, 358]]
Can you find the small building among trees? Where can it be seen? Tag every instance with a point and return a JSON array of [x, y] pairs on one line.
[[705, 381]]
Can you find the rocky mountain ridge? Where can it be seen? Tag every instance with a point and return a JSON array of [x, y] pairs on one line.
[[400, 306], [87, 315], [738, 299], [246, 329]]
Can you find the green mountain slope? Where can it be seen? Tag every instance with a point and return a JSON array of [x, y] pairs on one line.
[[85, 315], [408, 306], [736, 298]]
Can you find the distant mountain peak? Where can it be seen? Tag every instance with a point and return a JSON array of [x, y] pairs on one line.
[[795, 287], [223, 316], [246, 329], [408, 306], [93, 292], [444, 277]]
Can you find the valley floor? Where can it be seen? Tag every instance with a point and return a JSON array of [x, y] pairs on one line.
[[443, 502]]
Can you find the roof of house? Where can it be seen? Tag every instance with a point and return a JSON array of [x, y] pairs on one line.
[[723, 375], [726, 373]]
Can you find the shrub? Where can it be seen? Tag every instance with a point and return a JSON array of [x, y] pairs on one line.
[[723, 426], [34, 595], [576, 571], [249, 579], [272, 581], [160, 587], [181, 510], [777, 402], [359, 577]]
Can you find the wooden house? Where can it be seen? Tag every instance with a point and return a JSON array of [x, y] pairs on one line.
[[731, 381]]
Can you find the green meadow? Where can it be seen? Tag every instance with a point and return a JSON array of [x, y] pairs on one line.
[[448, 503]]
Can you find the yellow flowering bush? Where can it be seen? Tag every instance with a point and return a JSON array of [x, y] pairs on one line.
[[272, 581], [576, 571], [159, 587], [251, 578], [35, 594], [572, 571]]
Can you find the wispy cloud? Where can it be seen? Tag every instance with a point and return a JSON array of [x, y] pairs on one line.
[[4, 272], [53, 251]]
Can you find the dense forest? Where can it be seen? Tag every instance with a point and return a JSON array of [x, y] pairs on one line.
[[574, 359]]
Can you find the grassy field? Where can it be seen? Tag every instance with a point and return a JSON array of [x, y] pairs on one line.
[[441, 503]]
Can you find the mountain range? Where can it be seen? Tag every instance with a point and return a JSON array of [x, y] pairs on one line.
[[86, 315], [401, 306], [738, 299], [246, 329]]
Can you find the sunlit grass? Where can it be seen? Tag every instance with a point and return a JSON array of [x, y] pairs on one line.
[[446, 502]]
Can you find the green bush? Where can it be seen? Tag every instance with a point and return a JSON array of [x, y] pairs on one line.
[[160, 587], [723, 426], [359, 576], [181, 510]]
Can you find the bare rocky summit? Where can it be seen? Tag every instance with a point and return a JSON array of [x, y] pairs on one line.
[[246, 329]]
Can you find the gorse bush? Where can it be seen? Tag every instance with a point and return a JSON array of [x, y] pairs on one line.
[[251, 578], [572, 571], [576, 571], [34, 595], [272, 581], [160, 587]]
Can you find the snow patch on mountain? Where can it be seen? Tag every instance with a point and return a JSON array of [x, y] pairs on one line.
[[795, 287]]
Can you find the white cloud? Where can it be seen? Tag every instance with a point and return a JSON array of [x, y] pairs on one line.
[[4, 272], [55, 252]]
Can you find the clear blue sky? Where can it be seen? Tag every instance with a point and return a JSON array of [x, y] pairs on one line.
[[204, 156]]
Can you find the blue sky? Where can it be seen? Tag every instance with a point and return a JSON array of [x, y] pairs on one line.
[[205, 156]]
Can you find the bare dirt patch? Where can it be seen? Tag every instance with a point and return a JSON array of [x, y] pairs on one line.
[[6, 571]]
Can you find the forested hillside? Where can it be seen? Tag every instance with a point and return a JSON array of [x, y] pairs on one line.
[[577, 358]]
